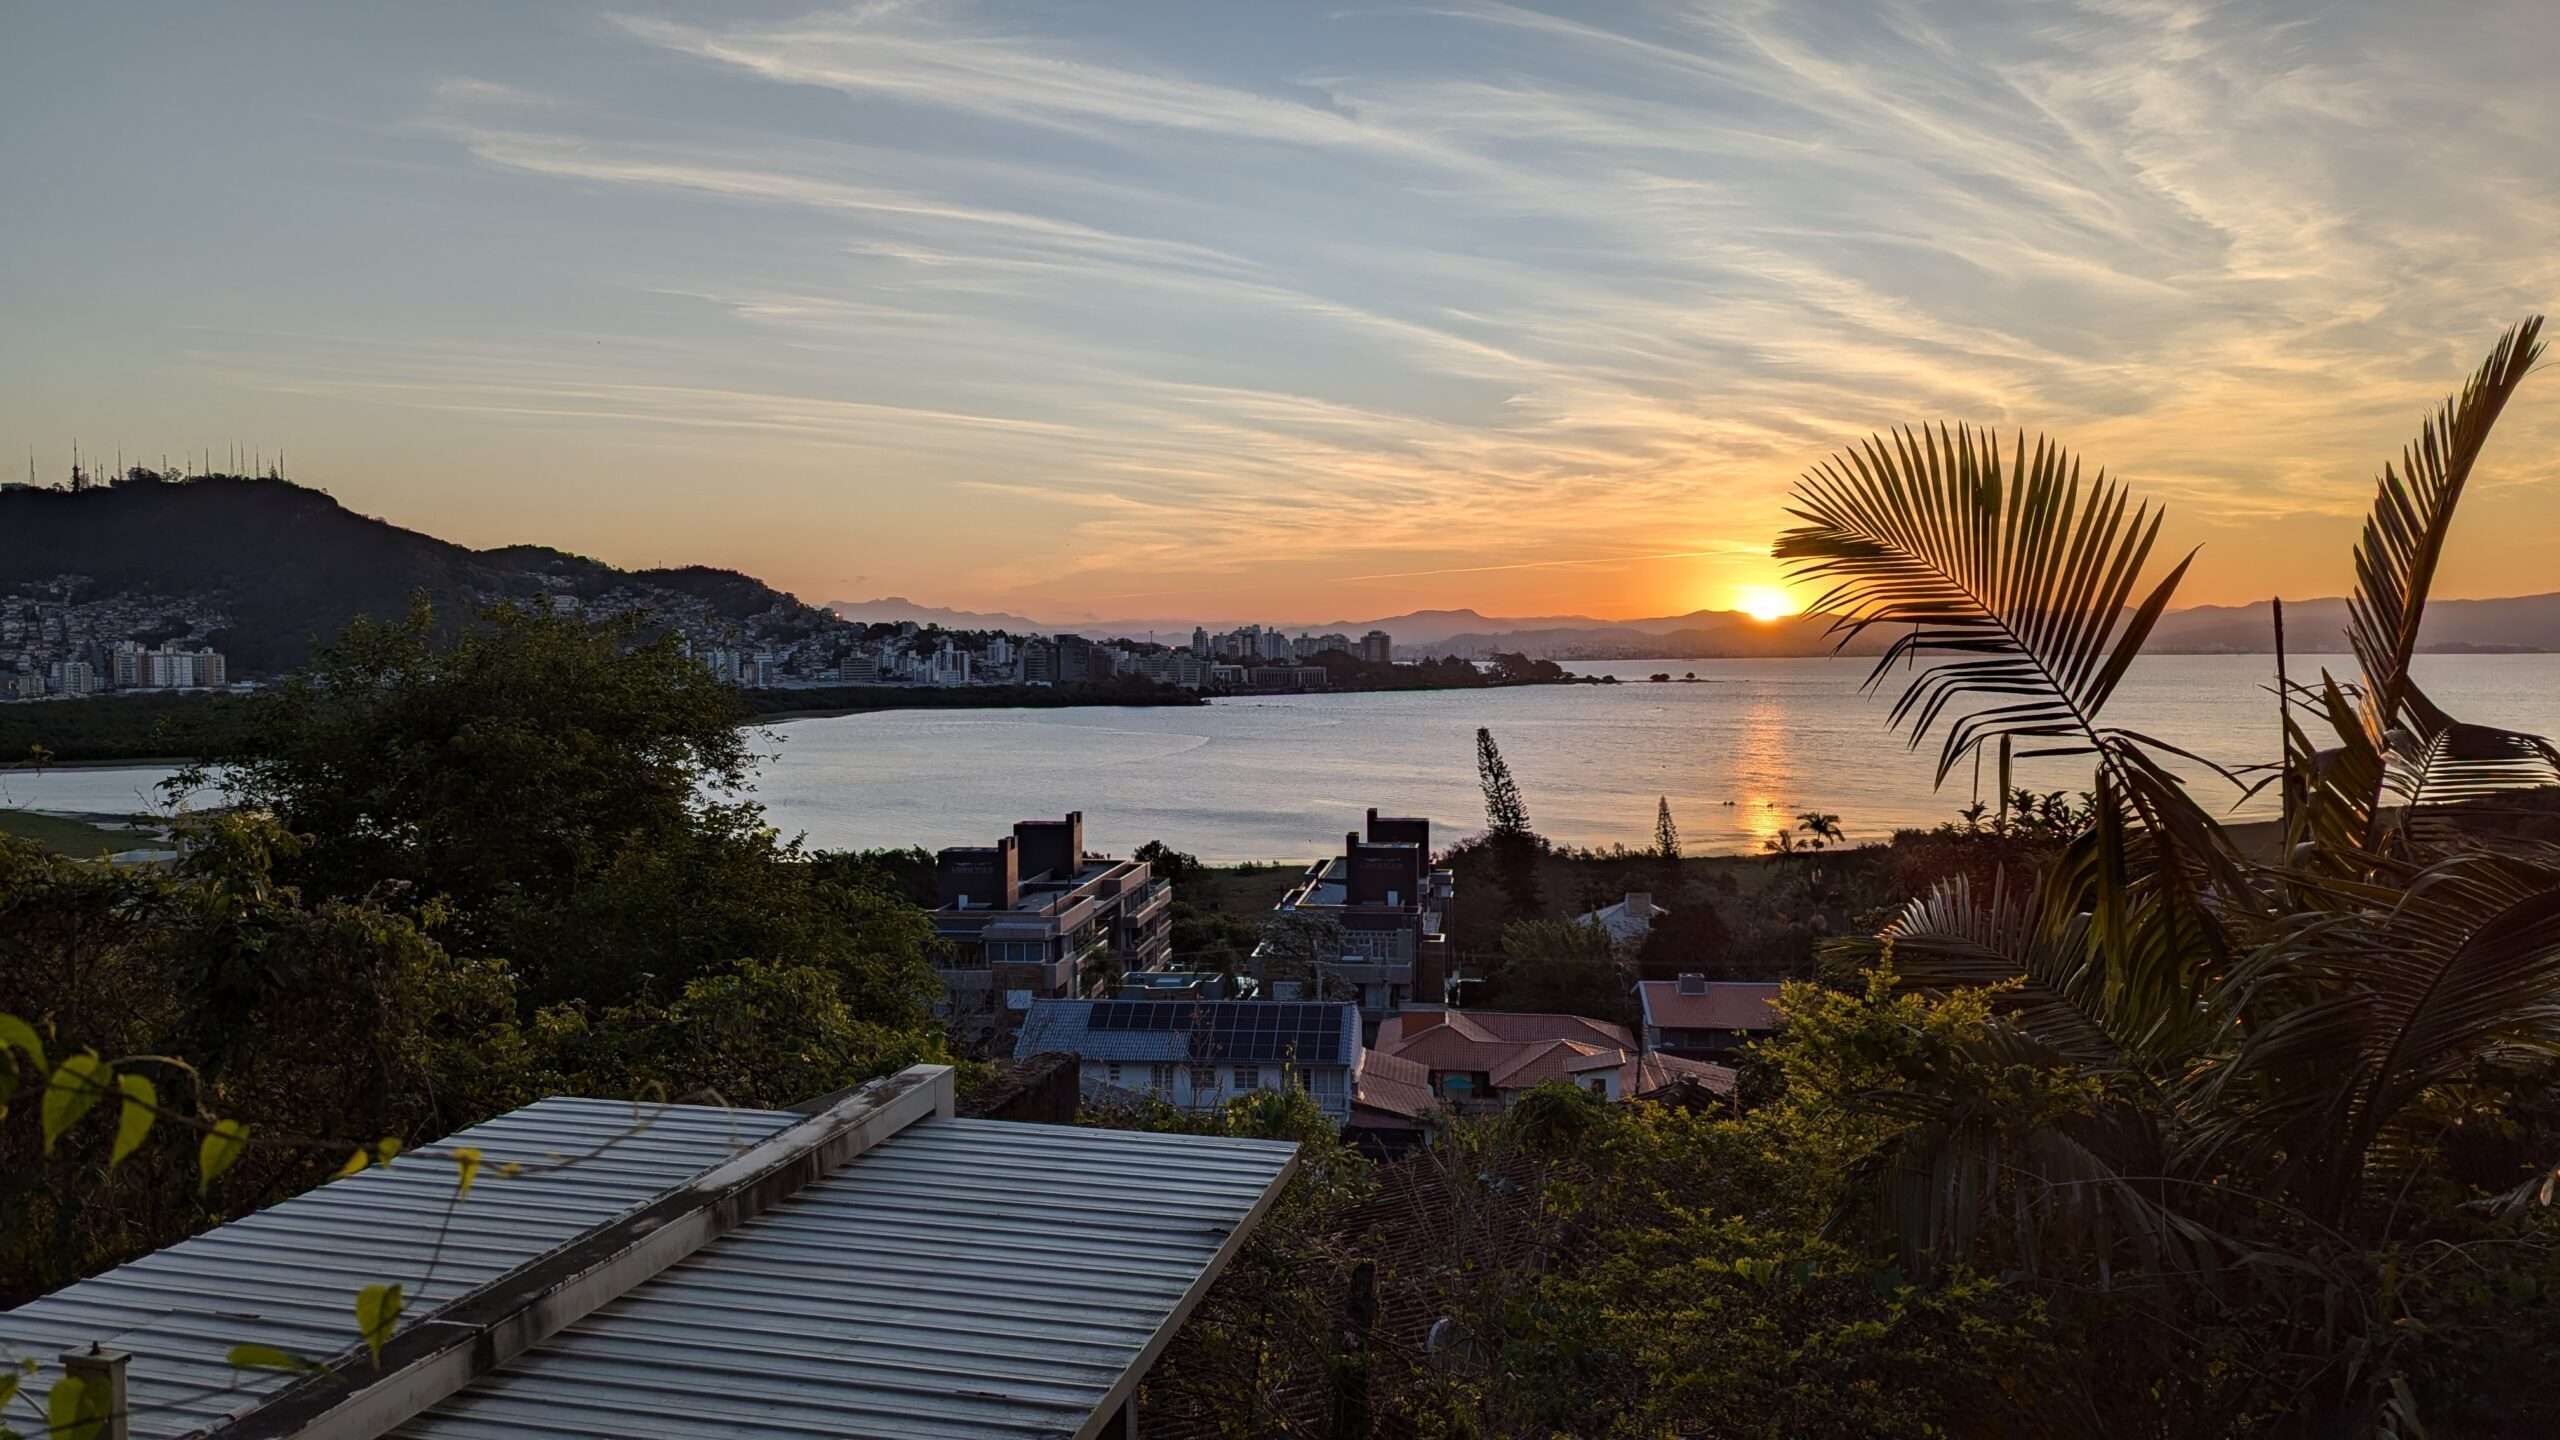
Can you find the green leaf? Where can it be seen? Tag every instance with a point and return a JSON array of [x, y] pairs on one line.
[[219, 1149], [355, 1164], [377, 1313], [8, 1387], [266, 1357], [71, 1412], [18, 1034], [75, 1088], [466, 1162], [141, 1107]]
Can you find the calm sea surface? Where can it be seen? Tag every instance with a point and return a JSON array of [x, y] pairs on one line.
[[1737, 752]]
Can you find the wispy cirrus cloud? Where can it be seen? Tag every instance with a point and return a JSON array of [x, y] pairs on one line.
[[1533, 308]]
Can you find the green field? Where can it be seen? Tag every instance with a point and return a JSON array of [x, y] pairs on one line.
[[70, 837]]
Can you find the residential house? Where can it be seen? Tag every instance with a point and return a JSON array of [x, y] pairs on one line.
[[1628, 921], [1480, 1059], [1200, 1054], [1698, 1017]]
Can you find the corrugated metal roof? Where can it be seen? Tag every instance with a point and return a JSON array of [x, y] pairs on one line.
[[287, 1276], [967, 1278]]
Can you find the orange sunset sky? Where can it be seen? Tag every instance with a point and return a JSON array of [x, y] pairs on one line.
[[1277, 312]]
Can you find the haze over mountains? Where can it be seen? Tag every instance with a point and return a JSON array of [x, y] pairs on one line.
[[2521, 623]]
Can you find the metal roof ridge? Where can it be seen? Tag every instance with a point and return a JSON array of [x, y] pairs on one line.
[[357, 1397]]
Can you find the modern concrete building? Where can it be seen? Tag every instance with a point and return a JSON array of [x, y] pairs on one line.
[[1386, 906], [1034, 916]]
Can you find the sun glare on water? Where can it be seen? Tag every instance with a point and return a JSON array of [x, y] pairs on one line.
[[1763, 602]]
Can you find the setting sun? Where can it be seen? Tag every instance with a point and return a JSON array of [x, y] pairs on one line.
[[1763, 602]]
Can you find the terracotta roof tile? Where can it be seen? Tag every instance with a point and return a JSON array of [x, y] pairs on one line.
[[1393, 1085], [1726, 1005], [1654, 1073]]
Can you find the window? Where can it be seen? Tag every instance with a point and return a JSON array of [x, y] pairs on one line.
[[1115, 1074], [1160, 1077], [1600, 1087], [1204, 1080], [1248, 1077]]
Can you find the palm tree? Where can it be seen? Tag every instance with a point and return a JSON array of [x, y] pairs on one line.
[[1825, 829], [2267, 1048]]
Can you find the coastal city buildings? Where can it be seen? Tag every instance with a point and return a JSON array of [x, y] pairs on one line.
[[1366, 925], [58, 639], [54, 646], [1034, 916]]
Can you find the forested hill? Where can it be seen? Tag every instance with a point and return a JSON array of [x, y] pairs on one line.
[[283, 564]]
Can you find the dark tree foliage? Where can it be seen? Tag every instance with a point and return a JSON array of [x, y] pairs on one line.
[[337, 1018], [564, 800], [1174, 867], [907, 873], [144, 726], [1559, 967], [1691, 940]]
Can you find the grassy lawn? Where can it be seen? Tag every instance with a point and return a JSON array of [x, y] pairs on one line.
[[69, 837], [1245, 891]]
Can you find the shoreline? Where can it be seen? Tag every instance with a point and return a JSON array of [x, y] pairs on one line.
[[776, 717]]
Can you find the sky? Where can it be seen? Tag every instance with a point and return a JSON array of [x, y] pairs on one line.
[[1282, 311]]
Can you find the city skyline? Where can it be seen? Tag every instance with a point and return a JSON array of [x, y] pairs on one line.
[[1112, 311]]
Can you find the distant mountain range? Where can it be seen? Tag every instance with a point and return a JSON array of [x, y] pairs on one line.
[[2521, 623], [261, 568], [891, 609]]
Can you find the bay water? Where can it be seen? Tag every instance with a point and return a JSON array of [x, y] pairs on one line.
[[1738, 752]]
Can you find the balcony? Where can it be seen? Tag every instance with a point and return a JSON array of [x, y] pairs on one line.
[[1146, 901]]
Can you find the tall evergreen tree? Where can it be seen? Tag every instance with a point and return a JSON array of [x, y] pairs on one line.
[[1505, 813], [1666, 853], [1515, 846]]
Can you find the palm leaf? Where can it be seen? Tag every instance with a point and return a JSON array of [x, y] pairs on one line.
[[2070, 1188], [2094, 965], [2396, 561], [2026, 577], [2387, 989], [2460, 771]]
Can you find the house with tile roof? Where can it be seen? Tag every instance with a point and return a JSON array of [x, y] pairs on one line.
[[1698, 1018], [1479, 1059]]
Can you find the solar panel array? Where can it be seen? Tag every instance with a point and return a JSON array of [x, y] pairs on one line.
[[1254, 1030]]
